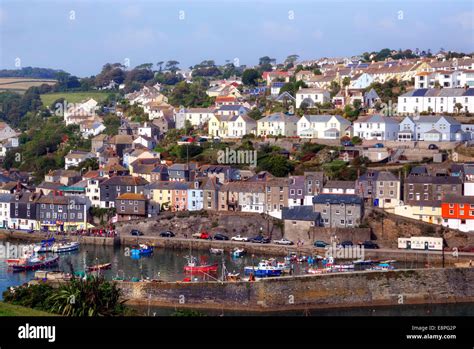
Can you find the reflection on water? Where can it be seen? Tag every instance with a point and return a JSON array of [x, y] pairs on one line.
[[163, 264]]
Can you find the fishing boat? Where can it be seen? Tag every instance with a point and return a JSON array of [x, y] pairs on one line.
[[62, 247], [232, 277], [365, 262], [318, 270], [237, 252], [340, 267], [44, 246], [193, 267], [34, 263], [99, 267], [216, 250], [263, 269], [382, 266], [142, 249]]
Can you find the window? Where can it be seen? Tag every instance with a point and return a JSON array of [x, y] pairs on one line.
[[343, 221], [122, 208]]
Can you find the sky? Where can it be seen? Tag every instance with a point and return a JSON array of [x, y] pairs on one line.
[[81, 36]]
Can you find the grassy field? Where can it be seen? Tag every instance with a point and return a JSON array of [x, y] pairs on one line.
[[22, 84], [73, 97], [16, 310]]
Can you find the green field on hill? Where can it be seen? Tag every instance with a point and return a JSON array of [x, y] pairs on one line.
[[16, 310], [74, 97]]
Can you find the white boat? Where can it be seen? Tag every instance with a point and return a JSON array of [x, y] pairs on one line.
[[65, 247], [237, 252], [216, 250], [264, 269]]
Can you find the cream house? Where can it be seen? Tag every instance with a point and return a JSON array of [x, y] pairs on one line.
[[278, 124], [218, 125], [323, 126], [241, 125], [311, 96]]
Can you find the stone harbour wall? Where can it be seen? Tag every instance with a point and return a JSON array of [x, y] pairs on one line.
[[368, 288]]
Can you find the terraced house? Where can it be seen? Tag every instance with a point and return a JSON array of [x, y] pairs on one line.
[[431, 129], [380, 188], [115, 186], [278, 124], [323, 126]]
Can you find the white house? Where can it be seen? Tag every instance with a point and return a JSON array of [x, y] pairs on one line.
[[196, 116], [322, 126], [311, 96], [431, 129], [195, 199], [5, 218], [241, 125], [278, 124], [376, 127], [145, 141], [93, 191], [75, 157], [445, 100], [6, 131]]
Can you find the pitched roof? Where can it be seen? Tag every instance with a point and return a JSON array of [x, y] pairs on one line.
[[125, 180], [300, 213], [337, 199]]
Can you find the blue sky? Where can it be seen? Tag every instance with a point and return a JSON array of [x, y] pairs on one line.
[[42, 33]]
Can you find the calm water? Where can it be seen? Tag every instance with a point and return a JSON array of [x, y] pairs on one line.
[[167, 264]]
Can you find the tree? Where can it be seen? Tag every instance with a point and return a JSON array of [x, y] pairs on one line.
[[458, 107], [250, 77], [265, 63], [346, 81], [172, 66], [160, 65], [277, 165]]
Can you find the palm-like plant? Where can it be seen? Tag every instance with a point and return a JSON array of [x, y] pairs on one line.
[[91, 297]]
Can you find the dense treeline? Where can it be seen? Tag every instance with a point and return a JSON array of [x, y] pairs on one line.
[[29, 72]]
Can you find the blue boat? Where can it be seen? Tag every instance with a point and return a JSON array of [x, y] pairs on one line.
[[238, 252], [142, 249], [264, 269]]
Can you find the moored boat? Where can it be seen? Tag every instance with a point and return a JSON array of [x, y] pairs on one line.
[[62, 247], [263, 269], [237, 252], [34, 263], [44, 246], [142, 249], [193, 267], [98, 267], [216, 250]]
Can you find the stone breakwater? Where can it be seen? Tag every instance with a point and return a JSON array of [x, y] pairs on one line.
[[37, 237], [357, 289]]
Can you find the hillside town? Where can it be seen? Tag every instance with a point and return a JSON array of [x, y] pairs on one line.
[[339, 153]]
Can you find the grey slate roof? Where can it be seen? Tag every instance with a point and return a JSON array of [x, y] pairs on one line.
[[337, 199], [300, 213]]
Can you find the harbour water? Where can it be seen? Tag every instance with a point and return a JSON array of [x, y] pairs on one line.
[[168, 265]]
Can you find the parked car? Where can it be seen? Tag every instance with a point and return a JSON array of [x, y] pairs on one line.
[[136, 232], [203, 236], [260, 240], [347, 144], [220, 236], [432, 147], [320, 243], [369, 245], [167, 234], [239, 238], [378, 145], [347, 243], [283, 241]]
